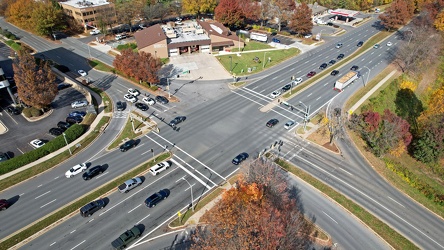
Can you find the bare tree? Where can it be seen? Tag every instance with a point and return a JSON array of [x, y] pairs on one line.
[[281, 10], [336, 124]]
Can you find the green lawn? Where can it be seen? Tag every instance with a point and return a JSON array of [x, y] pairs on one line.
[[252, 45]]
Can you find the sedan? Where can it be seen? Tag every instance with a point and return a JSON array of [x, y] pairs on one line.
[[240, 158], [286, 88], [289, 124], [78, 113], [334, 72], [74, 119], [323, 66], [63, 86], [389, 44], [162, 99], [37, 143], [376, 46], [177, 120], [127, 145], [133, 92], [340, 56], [92, 172], [94, 32], [155, 198], [75, 170], [142, 106], [149, 101], [354, 67], [360, 43], [79, 104], [55, 131], [275, 40], [271, 123], [331, 62], [275, 94], [311, 74], [297, 81], [82, 72], [339, 45], [130, 98], [13, 110], [120, 106]]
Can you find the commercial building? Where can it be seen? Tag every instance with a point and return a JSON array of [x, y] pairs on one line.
[[88, 13], [176, 38]]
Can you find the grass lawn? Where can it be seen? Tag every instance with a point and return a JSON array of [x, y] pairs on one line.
[[242, 63], [253, 45], [98, 65], [127, 132]]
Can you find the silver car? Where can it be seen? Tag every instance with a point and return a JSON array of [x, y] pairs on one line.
[[130, 184]]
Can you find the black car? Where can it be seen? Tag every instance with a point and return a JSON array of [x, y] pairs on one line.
[[331, 62], [142, 106], [240, 158], [92, 172], [127, 145], [323, 66], [334, 72], [4, 156], [55, 131], [77, 113], [360, 43], [340, 56], [63, 125], [91, 208], [286, 88], [271, 123], [354, 67], [177, 120], [74, 119], [13, 110], [61, 86], [162, 99], [120, 106], [155, 198]]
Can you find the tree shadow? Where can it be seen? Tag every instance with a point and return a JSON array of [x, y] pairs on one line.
[[408, 106]]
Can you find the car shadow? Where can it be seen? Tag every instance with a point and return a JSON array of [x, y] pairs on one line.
[[142, 178], [105, 167], [167, 191], [88, 164], [136, 142], [141, 227], [13, 200], [106, 201]]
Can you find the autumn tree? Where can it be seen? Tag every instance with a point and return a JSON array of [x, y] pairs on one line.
[[396, 15], [300, 21], [261, 212], [142, 66], [47, 18], [199, 6], [35, 83], [105, 18], [20, 13], [235, 12], [428, 147], [127, 10], [439, 21], [281, 10]]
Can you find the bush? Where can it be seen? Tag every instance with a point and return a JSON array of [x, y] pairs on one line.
[[89, 118], [35, 112], [27, 112], [154, 87]]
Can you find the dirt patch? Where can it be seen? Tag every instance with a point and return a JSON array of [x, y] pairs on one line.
[[321, 137]]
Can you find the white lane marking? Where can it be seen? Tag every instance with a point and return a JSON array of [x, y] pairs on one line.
[[189, 187], [250, 99], [90, 220], [52, 243], [73, 231], [194, 176], [298, 72], [56, 178], [345, 171], [42, 195], [254, 92], [101, 175], [329, 217], [395, 201], [368, 197], [309, 95], [313, 64], [326, 84], [274, 78], [318, 98], [180, 179], [370, 62], [134, 208], [21, 194], [48, 203], [78, 244], [362, 59], [144, 218], [40, 185]]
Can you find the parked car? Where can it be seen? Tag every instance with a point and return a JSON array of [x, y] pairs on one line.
[[311, 74], [323, 66], [334, 72], [125, 238], [120, 106], [360, 43], [94, 32], [240, 158], [81, 72], [4, 156], [76, 170], [74, 119], [340, 56], [339, 45], [130, 98], [149, 101], [4, 204], [354, 67], [162, 99], [79, 104], [155, 198], [275, 40], [55, 131], [133, 92], [130, 184], [275, 94], [289, 124], [77, 113], [37, 143], [160, 167], [271, 123], [127, 145], [177, 120], [331, 62], [92, 172], [92, 207], [13, 110], [61, 86], [142, 106], [63, 125], [308, 35]]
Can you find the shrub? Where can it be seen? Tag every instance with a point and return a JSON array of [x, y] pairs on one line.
[[154, 87], [89, 118], [27, 112], [132, 46], [35, 112]]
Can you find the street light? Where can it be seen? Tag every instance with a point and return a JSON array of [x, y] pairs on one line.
[[263, 64], [168, 82], [368, 74], [307, 109], [231, 62], [66, 141], [192, 206], [89, 51], [410, 36]]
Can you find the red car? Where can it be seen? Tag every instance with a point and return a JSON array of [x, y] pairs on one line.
[[311, 74], [4, 204]]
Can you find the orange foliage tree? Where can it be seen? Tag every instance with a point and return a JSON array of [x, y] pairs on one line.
[[141, 66]]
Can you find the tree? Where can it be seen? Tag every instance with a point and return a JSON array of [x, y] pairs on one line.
[[439, 21], [199, 6], [20, 13], [35, 83], [142, 66], [261, 212], [234, 12], [300, 21], [127, 10], [396, 15], [435, 105], [47, 18], [281, 10]]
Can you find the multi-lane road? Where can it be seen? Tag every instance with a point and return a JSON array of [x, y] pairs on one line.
[[203, 149]]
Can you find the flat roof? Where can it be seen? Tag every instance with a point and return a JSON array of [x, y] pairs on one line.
[[189, 37], [344, 12], [80, 4]]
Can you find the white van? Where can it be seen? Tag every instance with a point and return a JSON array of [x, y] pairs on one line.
[[159, 168], [120, 36]]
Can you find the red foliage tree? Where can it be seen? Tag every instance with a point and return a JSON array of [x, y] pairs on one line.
[[234, 12], [141, 66], [300, 21], [398, 14]]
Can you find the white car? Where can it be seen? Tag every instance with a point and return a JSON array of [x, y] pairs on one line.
[[133, 92], [81, 72], [79, 104], [94, 32], [37, 143], [308, 35], [289, 124], [275, 94], [149, 101], [159, 168], [75, 170], [130, 98], [297, 80], [389, 44]]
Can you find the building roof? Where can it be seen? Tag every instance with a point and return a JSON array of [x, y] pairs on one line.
[[344, 12], [149, 36], [218, 29], [79, 4], [188, 43], [316, 8]]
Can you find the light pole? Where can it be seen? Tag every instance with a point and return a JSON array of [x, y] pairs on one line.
[[191, 187], [307, 109], [263, 64], [320, 34], [368, 74], [89, 51], [168, 82], [66, 141], [410, 36]]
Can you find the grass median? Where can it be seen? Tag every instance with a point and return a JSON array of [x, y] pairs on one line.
[[77, 204]]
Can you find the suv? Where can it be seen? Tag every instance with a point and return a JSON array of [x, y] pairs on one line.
[[340, 56], [339, 45], [91, 208], [271, 123], [156, 198], [92, 172], [4, 156], [177, 120], [360, 43], [120, 106], [141, 106], [130, 184], [63, 125], [162, 99], [127, 145], [323, 66], [75, 170], [239, 158], [74, 119], [4, 204], [160, 167]]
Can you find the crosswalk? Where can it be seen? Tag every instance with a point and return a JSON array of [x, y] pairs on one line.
[[120, 114]]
